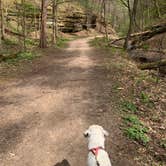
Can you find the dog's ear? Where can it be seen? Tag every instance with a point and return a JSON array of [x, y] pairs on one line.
[[86, 133], [105, 133]]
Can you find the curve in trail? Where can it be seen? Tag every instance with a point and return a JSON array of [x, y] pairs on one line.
[[44, 113]]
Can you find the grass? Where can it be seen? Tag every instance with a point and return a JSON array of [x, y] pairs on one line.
[[103, 42], [10, 42], [145, 99], [163, 143], [142, 77], [21, 56], [135, 129], [31, 42], [145, 46], [132, 119], [62, 42], [99, 42], [128, 106]]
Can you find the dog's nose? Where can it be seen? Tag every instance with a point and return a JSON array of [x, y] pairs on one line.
[[85, 134]]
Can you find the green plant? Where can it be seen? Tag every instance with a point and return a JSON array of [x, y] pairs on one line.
[[26, 56], [137, 133], [129, 106], [145, 77], [62, 42], [132, 119], [99, 42], [163, 143], [146, 99], [30, 42], [22, 56], [136, 130], [145, 46], [10, 42]]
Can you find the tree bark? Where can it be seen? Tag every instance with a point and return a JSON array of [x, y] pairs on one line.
[[23, 25], [157, 8], [43, 35], [54, 18], [105, 19], [132, 14], [1, 21]]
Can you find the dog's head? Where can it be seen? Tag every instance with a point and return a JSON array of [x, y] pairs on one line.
[[95, 130]]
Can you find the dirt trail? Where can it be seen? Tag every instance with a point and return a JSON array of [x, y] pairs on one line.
[[45, 111]]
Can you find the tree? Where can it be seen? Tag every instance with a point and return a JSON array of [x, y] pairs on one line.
[[132, 19], [1, 22], [54, 19], [43, 35], [156, 3], [105, 18], [23, 24]]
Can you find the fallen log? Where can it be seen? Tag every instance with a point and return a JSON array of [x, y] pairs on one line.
[[153, 65], [116, 46], [133, 35], [145, 35], [154, 30], [116, 40]]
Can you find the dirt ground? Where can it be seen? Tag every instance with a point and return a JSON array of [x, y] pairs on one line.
[[45, 109]]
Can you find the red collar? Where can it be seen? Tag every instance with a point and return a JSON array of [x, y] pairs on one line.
[[95, 150]]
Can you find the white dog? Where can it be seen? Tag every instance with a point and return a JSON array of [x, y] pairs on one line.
[[97, 155]]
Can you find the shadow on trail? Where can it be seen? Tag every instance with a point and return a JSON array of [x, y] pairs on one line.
[[63, 163], [13, 133]]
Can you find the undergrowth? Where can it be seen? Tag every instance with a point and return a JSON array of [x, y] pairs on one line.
[[21, 56], [135, 129], [62, 42], [99, 42], [142, 99], [145, 99], [128, 106], [103, 42]]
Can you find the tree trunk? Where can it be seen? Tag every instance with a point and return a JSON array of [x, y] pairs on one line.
[[43, 35], [1, 24], [54, 18], [130, 26], [157, 8], [132, 15], [105, 19], [1, 21], [23, 25], [35, 24]]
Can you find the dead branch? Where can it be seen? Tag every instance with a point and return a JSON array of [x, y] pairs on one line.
[[153, 65]]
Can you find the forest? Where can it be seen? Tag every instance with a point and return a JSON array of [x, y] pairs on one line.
[[68, 64]]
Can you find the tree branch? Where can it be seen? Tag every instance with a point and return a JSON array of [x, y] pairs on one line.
[[125, 3]]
